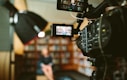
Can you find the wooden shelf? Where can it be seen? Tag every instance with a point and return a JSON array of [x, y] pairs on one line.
[[61, 49], [65, 53]]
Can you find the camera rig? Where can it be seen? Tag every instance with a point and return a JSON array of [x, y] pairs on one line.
[[105, 30], [104, 39]]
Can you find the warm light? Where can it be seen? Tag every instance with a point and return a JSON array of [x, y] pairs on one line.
[[41, 34]]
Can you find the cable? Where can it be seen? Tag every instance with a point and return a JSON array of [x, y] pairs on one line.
[[100, 46], [99, 33]]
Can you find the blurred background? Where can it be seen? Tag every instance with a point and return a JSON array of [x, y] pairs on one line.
[[20, 44]]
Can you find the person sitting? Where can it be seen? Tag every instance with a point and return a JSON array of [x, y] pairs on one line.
[[46, 64]]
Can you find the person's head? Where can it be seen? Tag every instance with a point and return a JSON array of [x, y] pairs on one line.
[[44, 52]]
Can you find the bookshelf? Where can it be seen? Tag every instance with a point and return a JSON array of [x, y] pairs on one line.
[[19, 66], [32, 54], [62, 52], [30, 58], [65, 53], [59, 48]]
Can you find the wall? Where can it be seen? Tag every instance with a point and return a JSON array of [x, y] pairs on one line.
[[4, 43], [47, 9]]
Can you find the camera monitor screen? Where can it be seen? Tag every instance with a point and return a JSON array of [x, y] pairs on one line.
[[72, 5], [62, 30]]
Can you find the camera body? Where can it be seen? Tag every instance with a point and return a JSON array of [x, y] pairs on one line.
[[107, 34]]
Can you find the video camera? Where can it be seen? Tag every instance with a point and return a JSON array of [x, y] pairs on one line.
[[105, 37], [104, 33]]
